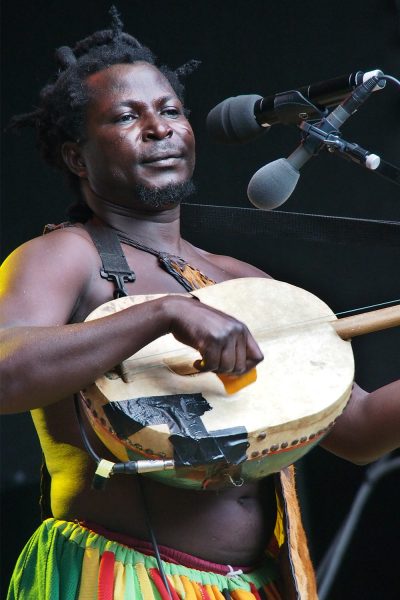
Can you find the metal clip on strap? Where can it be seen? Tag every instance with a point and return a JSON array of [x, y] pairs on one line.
[[115, 268], [118, 278]]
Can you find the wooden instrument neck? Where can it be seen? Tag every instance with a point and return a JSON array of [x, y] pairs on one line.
[[377, 320]]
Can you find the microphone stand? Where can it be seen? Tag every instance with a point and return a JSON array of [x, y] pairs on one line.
[[326, 132], [334, 143], [331, 561], [272, 185]]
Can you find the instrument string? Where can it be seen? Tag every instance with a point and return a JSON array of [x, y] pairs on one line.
[[271, 331], [378, 305]]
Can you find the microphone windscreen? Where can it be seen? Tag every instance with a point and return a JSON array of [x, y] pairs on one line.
[[233, 121], [272, 185]]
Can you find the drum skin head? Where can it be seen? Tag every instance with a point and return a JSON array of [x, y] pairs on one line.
[[146, 409]]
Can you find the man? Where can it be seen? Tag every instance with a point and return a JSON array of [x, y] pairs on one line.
[[115, 123]]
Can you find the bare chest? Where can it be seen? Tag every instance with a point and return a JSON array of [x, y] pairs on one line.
[[150, 277]]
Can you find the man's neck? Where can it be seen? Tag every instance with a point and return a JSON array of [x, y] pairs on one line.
[[157, 229]]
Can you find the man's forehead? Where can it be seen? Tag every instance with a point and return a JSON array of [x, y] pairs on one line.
[[127, 77]]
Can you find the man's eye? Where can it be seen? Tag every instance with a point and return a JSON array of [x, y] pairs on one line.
[[126, 118], [171, 111]]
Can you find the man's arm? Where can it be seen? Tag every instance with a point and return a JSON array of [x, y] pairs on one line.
[[44, 358], [369, 426]]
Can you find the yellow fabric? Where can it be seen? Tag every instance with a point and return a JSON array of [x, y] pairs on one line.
[[119, 581], [90, 574], [210, 592], [197, 590], [217, 593], [190, 594], [178, 585], [242, 595], [144, 582]]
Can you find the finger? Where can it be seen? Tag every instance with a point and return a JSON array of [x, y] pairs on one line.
[[254, 353], [210, 358], [241, 355], [248, 352], [228, 356]]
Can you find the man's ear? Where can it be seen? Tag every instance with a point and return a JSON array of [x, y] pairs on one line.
[[72, 155]]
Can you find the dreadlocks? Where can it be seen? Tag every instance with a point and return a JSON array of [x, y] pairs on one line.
[[60, 116]]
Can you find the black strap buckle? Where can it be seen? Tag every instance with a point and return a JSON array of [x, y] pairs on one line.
[[118, 278]]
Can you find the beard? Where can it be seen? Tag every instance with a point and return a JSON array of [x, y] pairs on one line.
[[156, 198]]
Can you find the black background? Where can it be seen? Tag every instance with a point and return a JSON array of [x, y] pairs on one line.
[[245, 47]]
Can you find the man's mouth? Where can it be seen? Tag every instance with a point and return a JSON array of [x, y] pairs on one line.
[[162, 158]]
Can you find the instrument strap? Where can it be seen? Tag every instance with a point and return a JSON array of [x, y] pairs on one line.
[[189, 277], [114, 265], [116, 269]]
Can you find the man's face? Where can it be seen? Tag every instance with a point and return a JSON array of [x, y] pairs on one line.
[[136, 133]]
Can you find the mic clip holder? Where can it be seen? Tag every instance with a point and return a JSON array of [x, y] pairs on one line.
[[315, 139], [291, 108]]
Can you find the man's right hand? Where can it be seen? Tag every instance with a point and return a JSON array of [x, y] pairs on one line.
[[225, 344]]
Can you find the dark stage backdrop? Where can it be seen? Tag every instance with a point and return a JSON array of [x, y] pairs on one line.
[[247, 46]]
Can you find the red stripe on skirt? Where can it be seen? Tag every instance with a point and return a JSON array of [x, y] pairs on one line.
[[156, 577], [106, 576], [204, 592], [254, 591]]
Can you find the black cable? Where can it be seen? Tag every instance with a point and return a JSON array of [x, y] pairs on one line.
[[153, 537], [101, 481], [85, 438], [392, 79], [98, 482]]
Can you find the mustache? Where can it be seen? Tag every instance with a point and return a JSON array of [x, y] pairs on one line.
[[162, 151]]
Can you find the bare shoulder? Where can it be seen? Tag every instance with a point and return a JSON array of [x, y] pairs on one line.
[[59, 248], [234, 267], [40, 282]]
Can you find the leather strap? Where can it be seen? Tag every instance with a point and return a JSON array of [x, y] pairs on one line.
[[114, 265]]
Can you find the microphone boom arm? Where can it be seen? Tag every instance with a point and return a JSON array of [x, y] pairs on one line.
[[316, 139]]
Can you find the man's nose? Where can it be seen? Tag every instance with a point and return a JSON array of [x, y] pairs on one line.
[[156, 128]]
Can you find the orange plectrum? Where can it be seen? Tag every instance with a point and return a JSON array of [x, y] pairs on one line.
[[234, 383]]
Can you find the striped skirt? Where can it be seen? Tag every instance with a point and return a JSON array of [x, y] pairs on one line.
[[68, 561]]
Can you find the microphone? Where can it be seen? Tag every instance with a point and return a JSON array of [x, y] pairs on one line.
[[272, 185], [243, 118]]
